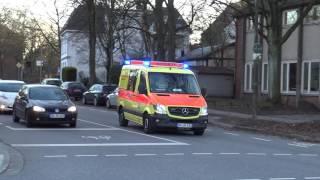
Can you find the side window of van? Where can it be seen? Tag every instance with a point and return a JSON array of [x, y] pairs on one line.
[[142, 85], [132, 80]]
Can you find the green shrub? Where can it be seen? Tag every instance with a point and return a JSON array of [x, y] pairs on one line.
[[69, 74]]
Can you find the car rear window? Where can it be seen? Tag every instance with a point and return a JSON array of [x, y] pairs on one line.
[[54, 82], [10, 87], [109, 88], [76, 86], [47, 93]]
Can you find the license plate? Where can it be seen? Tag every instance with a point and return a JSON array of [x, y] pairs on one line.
[[57, 116], [184, 125], [77, 90]]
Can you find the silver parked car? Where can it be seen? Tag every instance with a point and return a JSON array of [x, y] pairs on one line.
[[8, 91], [112, 99]]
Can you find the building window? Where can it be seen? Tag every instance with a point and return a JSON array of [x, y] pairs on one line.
[[265, 77], [64, 47], [311, 77], [313, 15], [248, 77], [290, 17], [288, 74]]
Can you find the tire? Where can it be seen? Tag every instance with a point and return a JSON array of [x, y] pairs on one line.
[[198, 132], [148, 127], [108, 105], [122, 120], [73, 125], [84, 101], [15, 118], [28, 121], [95, 102]]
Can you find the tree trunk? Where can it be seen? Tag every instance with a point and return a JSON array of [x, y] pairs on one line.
[[92, 41], [160, 35], [171, 31], [274, 61]]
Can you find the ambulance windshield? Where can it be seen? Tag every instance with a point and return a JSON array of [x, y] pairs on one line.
[[173, 83]]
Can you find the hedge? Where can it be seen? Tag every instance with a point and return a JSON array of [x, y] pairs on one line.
[[69, 74]]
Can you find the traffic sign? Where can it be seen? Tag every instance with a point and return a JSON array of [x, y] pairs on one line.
[[19, 65], [39, 63]]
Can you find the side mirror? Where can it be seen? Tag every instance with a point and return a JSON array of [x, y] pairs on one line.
[[204, 92]]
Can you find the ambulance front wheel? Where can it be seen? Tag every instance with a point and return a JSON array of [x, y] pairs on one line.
[[122, 119], [148, 126]]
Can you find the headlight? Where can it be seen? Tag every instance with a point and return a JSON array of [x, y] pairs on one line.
[[204, 111], [160, 109], [38, 109], [72, 109], [2, 106]]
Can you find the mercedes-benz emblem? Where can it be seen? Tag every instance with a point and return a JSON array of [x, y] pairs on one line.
[[185, 111], [57, 110]]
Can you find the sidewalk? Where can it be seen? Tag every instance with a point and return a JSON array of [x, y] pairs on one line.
[[305, 127], [295, 118], [4, 157]]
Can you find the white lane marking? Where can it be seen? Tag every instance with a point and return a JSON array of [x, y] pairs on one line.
[[86, 155], [90, 122], [256, 154], [156, 137], [116, 155], [300, 144], [248, 179], [201, 153], [61, 129], [0, 123], [282, 178], [311, 155], [55, 156], [145, 154], [229, 153], [97, 145], [233, 134], [309, 178], [261, 139], [174, 154], [282, 154]]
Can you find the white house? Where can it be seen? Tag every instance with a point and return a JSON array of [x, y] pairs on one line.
[[75, 42]]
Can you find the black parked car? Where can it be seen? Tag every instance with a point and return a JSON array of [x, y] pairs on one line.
[[97, 93], [44, 104], [74, 89]]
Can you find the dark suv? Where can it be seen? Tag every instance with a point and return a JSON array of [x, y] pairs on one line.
[[97, 94], [74, 89]]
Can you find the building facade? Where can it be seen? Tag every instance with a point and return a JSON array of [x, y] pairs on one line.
[[310, 71]]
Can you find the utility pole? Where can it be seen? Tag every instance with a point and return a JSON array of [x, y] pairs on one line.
[[257, 56]]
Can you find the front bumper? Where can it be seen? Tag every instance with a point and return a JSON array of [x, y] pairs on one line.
[[164, 121], [44, 118], [5, 106]]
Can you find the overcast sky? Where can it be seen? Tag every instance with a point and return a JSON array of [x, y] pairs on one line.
[[41, 9]]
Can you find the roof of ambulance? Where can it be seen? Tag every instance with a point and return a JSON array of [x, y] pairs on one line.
[[159, 69]]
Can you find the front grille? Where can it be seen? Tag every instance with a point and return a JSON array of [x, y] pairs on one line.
[[53, 110], [184, 111]]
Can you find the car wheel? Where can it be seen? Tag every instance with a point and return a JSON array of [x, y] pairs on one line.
[[108, 104], [198, 132], [84, 101], [15, 118], [148, 125], [28, 121], [73, 125], [122, 120]]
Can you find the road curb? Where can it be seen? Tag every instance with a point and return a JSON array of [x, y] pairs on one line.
[[4, 163]]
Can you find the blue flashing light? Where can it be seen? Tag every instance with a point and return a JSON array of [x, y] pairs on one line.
[[146, 63], [185, 66], [127, 62]]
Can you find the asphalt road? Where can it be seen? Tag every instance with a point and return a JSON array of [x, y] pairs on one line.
[[99, 149]]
